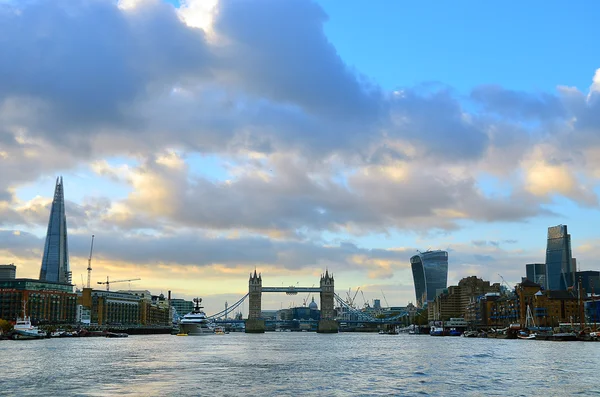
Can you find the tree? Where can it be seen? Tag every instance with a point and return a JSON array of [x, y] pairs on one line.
[[5, 326]]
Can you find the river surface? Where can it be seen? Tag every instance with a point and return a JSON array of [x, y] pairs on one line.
[[292, 364]]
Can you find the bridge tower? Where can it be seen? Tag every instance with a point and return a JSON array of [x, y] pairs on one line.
[[327, 324], [255, 324]]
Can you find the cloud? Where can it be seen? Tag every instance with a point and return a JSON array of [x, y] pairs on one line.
[[194, 249], [311, 147], [519, 105], [287, 197]]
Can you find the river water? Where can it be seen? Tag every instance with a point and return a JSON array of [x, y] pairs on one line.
[[290, 364]]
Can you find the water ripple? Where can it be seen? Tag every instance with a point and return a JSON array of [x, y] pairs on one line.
[[292, 364]]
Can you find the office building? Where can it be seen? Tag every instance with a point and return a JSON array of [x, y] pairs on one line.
[[8, 272], [559, 272], [181, 306], [430, 274], [536, 272], [590, 281], [55, 261], [45, 302], [454, 301]]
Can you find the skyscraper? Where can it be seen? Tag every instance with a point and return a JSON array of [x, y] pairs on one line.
[[559, 272], [55, 262], [430, 273], [536, 272]]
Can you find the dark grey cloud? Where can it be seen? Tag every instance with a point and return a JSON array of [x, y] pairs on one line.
[[518, 105], [86, 59], [189, 248], [434, 119], [286, 56]]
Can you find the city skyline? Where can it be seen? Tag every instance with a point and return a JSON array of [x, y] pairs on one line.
[[201, 140]]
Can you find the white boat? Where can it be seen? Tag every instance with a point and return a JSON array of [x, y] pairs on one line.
[[195, 322], [220, 331], [23, 329]]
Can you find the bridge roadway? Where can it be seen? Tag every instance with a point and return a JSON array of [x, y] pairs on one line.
[[291, 289]]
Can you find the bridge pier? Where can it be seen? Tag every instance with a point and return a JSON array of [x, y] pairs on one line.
[[328, 327], [255, 326]]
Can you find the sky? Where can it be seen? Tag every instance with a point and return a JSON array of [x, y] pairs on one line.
[[199, 140]]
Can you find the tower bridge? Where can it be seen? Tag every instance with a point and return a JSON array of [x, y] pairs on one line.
[[327, 323]]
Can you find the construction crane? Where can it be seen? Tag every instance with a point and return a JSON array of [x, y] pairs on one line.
[[89, 268], [385, 299], [351, 299], [108, 282], [365, 304], [504, 281], [306, 300]]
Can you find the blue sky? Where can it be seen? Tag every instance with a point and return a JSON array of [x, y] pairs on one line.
[[519, 45], [199, 140]]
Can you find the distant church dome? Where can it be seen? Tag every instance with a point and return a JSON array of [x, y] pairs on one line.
[[313, 305]]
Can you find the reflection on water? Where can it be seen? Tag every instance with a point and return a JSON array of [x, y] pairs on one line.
[[297, 364]]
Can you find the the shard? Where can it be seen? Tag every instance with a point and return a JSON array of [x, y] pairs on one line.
[[55, 262]]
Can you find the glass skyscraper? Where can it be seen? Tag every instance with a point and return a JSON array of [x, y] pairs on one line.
[[430, 273], [559, 272], [536, 272], [55, 262]]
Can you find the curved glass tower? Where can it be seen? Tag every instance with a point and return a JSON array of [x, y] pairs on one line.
[[559, 260], [55, 262], [430, 273]]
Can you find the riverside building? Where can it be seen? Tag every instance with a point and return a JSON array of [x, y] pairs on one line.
[[45, 302], [430, 274], [124, 308], [454, 301]]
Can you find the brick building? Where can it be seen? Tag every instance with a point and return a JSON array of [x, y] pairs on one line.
[[45, 302]]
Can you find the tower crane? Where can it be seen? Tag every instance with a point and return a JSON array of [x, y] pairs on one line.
[[365, 304], [504, 281], [89, 268], [351, 299], [385, 299], [108, 282], [306, 300]]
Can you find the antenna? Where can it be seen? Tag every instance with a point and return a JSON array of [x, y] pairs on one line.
[[89, 268]]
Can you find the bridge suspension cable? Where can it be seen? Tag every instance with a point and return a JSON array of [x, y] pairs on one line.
[[364, 316], [229, 309]]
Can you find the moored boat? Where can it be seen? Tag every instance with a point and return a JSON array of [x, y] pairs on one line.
[[436, 331], [195, 322], [23, 329], [525, 335], [564, 336]]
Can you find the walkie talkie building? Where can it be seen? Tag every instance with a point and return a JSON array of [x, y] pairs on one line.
[[430, 273]]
